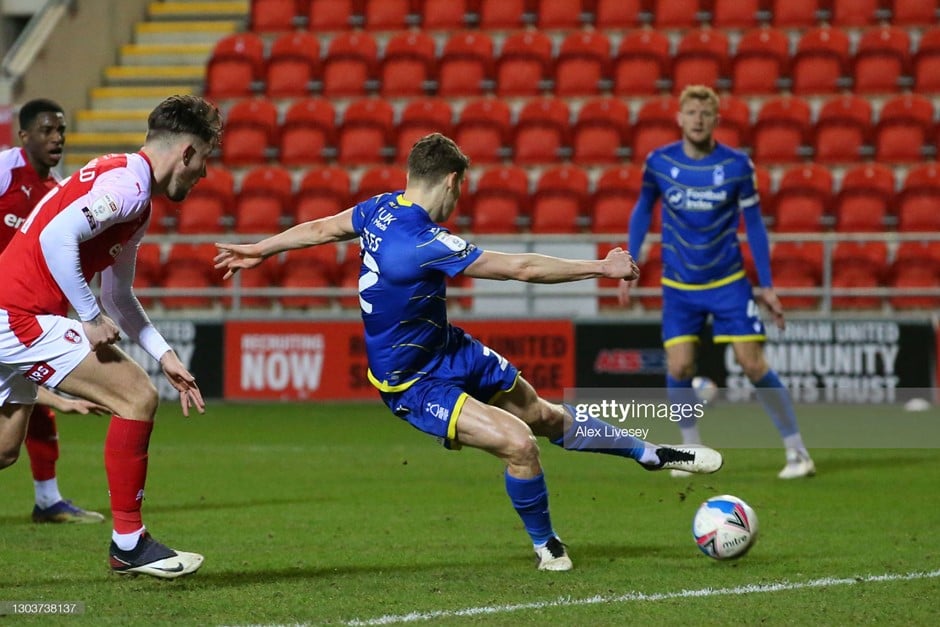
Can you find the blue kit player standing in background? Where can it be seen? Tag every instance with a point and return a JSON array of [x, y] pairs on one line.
[[434, 375], [706, 188]]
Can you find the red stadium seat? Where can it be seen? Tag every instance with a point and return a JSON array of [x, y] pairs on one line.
[[843, 127], [206, 204], [855, 277], [500, 198], [558, 14], [675, 13], [559, 200], [350, 64], [782, 127], [236, 66], [407, 65], [309, 268], [583, 63], [701, 59], [163, 213], [541, 131], [264, 197], [250, 131], [913, 12], [790, 275], [602, 131], [655, 125], [858, 264], [854, 13], [794, 13], [821, 60], [918, 201], [926, 68], [420, 117], [272, 16], [445, 15], [864, 199], [614, 196], [734, 128], [803, 198], [642, 60], [903, 127], [323, 191], [881, 59], [189, 266], [807, 256], [293, 65], [524, 64], [915, 278], [380, 180], [266, 275], [308, 130], [387, 14], [617, 14], [761, 60], [502, 14], [735, 13], [331, 15], [484, 129], [149, 266], [466, 65], [366, 131]]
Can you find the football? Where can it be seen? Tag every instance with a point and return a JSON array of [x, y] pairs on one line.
[[705, 389], [724, 527]]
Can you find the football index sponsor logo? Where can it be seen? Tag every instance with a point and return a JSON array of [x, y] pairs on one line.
[[40, 373], [695, 199]]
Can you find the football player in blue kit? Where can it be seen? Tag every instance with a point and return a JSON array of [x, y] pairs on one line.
[[706, 188], [434, 375]]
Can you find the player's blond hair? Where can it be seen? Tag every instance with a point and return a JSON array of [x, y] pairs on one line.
[[699, 92]]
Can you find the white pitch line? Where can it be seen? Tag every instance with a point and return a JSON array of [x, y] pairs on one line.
[[825, 582]]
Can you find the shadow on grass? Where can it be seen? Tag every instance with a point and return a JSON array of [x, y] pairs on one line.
[[200, 506]]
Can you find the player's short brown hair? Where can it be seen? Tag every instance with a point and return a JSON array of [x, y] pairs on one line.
[[435, 156], [187, 114]]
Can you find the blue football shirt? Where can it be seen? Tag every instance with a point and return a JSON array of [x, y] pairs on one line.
[[702, 203], [406, 258]]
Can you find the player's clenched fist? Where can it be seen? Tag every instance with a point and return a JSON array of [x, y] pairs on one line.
[[619, 264], [101, 330]]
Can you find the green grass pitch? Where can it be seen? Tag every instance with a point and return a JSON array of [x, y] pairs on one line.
[[330, 513]]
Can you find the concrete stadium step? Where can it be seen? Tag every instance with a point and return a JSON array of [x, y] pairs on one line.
[[102, 143], [219, 9], [111, 120], [135, 98], [165, 54], [192, 75], [187, 32]]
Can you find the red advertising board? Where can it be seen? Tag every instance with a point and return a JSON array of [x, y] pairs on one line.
[[327, 360]]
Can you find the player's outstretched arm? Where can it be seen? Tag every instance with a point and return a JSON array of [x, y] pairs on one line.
[[69, 405], [535, 268], [235, 257], [183, 381]]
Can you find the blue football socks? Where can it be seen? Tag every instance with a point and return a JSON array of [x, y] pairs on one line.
[[530, 498]]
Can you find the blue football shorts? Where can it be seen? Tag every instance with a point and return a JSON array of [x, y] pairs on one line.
[[735, 314], [466, 368]]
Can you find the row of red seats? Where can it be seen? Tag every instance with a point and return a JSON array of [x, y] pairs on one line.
[[327, 15], [585, 63], [856, 264], [562, 199], [544, 130]]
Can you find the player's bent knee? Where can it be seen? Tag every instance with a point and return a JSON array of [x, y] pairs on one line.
[[523, 450]]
